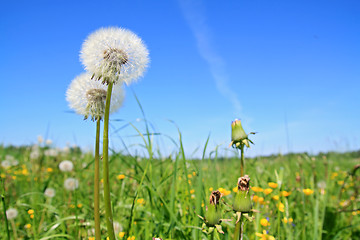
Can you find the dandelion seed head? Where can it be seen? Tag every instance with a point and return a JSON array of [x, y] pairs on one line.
[[114, 54], [71, 184], [49, 192], [66, 166], [11, 213], [87, 97]]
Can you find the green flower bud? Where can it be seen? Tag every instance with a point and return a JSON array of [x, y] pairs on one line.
[[213, 213], [242, 202], [237, 131]]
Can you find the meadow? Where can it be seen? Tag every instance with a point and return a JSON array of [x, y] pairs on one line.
[[295, 196]]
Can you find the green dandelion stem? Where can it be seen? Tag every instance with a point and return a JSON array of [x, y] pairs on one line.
[[97, 183], [4, 208], [107, 201], [238, 230], [242, 167]]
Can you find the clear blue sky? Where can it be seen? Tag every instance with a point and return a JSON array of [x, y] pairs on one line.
[[276, 65]]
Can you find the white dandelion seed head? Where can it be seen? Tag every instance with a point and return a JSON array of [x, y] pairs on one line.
[[40, 139], [51, 152], [71, 184], [66, 166], [48, 142], [117, 227], [87, 97], [5, 163], [114, 54], [49, 192], [11, 213]]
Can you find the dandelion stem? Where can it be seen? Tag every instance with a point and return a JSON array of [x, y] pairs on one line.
[[238, 230], [14, 228], [4, 208], [107, 200], [96, 183], [242, 160]]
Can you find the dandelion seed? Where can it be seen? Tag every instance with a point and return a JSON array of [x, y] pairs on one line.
[[71, 184], [49, 192], [11, 213], [114, 54], [87, 97], [66, 166]]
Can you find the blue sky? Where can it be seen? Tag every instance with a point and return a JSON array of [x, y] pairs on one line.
[[289, 70]]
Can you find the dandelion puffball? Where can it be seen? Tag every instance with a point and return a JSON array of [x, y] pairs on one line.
[[87, 97], [49, 192], [71, 184], [11, 213], [114, 54], [66, 166]]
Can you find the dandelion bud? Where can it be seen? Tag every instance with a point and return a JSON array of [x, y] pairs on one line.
[[242, 202], [238, 135], [213, 213]]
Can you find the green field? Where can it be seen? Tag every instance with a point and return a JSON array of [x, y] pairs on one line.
[[296, 196]]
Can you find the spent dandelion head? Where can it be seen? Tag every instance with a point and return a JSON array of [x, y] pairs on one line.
[[71, 184], [49, 192], [114, 55], [87, 97], [66, 166], [11, 213]]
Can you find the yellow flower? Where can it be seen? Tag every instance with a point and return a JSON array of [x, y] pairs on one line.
[[13, 177], [281, 206], [285, 193], [192, 191], [25, 172], [211, 189], [120, 176], [27, 226], [30, 211], [194, 173], [189, 175], [189, 181], [72, 206], [79, 205], [272, 185], [131, 238], [268, 191], [224, 192], [257, 189], [287, 220], [264, 222], [340, 182], [121, 234], [334, 175], [49, 169], [235, 189], [264, 236], [141, 201], [275, 197], [91, 238], [308, 191], [261, 200], [255, 198], [2, 175], [32, 216]]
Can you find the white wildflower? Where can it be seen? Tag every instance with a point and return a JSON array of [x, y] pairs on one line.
[[117, 227], [11, 213], [49, 192], [66, 166], [48, 142], [5, 163], [52, 152], [87, 97], [114, 54], [40, 139], [71, 184]]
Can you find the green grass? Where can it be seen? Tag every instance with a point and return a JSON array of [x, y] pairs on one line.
[[162, 197]]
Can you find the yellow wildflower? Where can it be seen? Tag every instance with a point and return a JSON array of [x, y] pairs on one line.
[[79, 205], [308, 191], [25, 172], [30, 211], [275, 197], [261, 200], [334, 175], [287, 220], [131, 238], [235, 189], [32, 216], [272, 185], [264, 236], [194, 173], [257, 189], [141, 201], [285, 193], [264, 222], [211, 189], [72, 206], [192, 191], [27, 226], [91, 238], [224, 192], [255, 198], [121, 234], [2, 175], [281, 207], [120, 176], [268, 191], [340, 182], [13, 177], [49, 170], [189, 175]]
